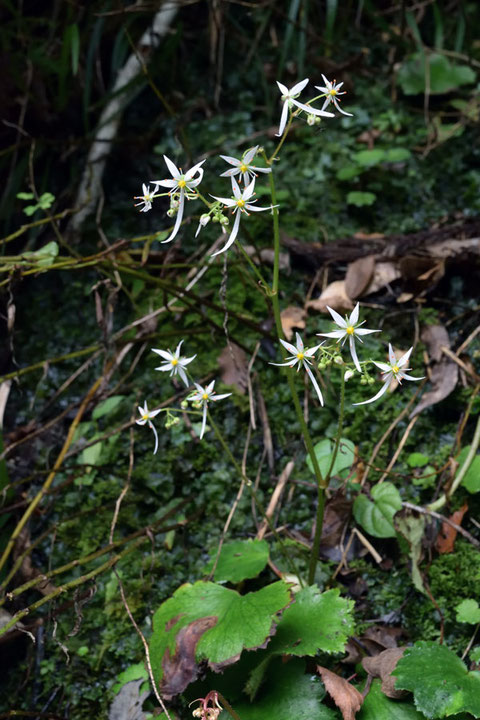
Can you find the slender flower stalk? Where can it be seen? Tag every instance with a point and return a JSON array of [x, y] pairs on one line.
[[182, 183], [203, 396], [146, 417], [390, 371], [348, 328], [301, 356], [332, 92], [289, 99], [241, 203], [174, 362], [244, 167]]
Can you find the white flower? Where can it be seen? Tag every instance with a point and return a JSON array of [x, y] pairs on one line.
[[204, 220], [203, 395], [145, 199], [174, 362], [288, 97], [244, 167], [301, 357], [331, 92], [348, 375], [183, 183], [349, 328], [240, 205], [146, 417], [390, 371]]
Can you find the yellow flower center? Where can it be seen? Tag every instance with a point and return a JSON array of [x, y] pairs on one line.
[[145, 417], [241, 203], [182, 183], [243, 167], [396, 369], [333, 92], [174, 361], [205, 396], [350, 330], [300, 356]]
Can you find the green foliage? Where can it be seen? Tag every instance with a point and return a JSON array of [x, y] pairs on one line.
[[434, 71], [471, 479], [134, 672], [360, 198], [377, 706], [239, 560], [44, 257], [439, 680], [324, 454], [45, 202], [376, 515], [468, 611]]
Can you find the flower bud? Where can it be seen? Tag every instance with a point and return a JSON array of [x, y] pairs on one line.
[[224, 220], [371, 381], [174, 204], [171, 213], [184, 404], [338, 360], [363, 380], [310, 120], [204, 219], [349, 374]]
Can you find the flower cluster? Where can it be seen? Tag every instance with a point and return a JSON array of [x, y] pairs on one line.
[[350, 328], [176, 364]]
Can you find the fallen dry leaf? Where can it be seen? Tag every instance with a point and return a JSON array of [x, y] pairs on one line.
[[444, 373], [292, 317], [359, 275], [385, 272], [267, 256], [180, 668], [335, 296], [382, 667], [347, 698], [234, 367], [446, 537]]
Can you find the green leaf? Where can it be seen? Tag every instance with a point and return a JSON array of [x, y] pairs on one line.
[[45, 200], [239, 560], [324, 452], [315, 622], [29, 210], [348, 172], [442, 74], [471, 479], [475, 654], [439, 680], [231, 623], [107, 406], [468, 612], [378, 706], [45, 256], [395, 155], [377, 517], [287, 694], [25, 196], [369, 158], [417, 459], [134, 672], [361, 198]]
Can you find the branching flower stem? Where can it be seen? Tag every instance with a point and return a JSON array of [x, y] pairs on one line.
[[291, 381]]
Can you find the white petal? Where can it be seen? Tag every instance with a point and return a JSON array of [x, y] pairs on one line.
[[163, 353], [236, 189], [154, 413], [183, 375], [311, 351], [322, 89], [315, 384], [199, 388], [230, 172], [231, 160], [311, 110], [337, 105], [283, 88], [220, 397], [283, 119], [178, 219], [210, 387], [186, 361], [204, 420], [300, 344], [140, 422], [143, 411], [226, 201], [381, 392], [288, 346], [259, 169], [337, 318], [196, 182], [327, 82], [404, 376], [404, 359], [254, 208], [384, 367], [334, 334], [338, 86], [249, 190], [289, 363], [165, 368], [327, 102], [250, 155], [364, 331], [298, 87], [152, 426], [174, 171], [391, 355], [353, 353], [232, 237], [193, 170], [354, 315], [165, 183]]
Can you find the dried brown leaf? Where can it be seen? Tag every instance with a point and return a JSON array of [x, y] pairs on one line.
[[180, 669], [335, 296], [382, 667], [292, 317], [347, 698], [359, 275], [234, 367], [445, 542], [385, 272], [444, 373]]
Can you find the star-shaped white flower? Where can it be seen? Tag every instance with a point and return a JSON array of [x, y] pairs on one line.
[[203, 395], [145, 199], [182, 183], [240, 205], [349, 328], [301, 357], [174, 362], [244, 167], [289, 99], [146, 417], [331, 92], [392, 370]]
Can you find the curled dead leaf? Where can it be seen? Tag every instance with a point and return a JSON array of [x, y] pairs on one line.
[[446, 537], [444, 375], [335, 296], [382, 667], [180, 668], [347, 698], [384, 273], [292, 317], [359, 275]]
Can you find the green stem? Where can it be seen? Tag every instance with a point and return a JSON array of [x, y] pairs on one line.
[[340, 425], [257, 272]]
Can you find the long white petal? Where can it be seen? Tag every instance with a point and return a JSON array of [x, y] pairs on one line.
[[283, 88], [410, 377], [210, 387], [353, 353], [298, 87], [337, 105], [327, 82], [174, 171], [165, 183], [232, 237], [204, 419], [186, 361], [381, 392], [230, 172], [179, 217], [165, 368], [311, 110], [231, 160], [249, 155], [300, 344], [288, 346], [289, 363], [152, 427], [226, 201], [322, 89], [315, 384], [405, 358], [259, 169], [163, 353], [364, 331], [283, 119], [249, 190], [189, 175], [236, 189], [337, 318], [354, 315], [334, 334], [141, 421], [384, 367], [311, 351], [220, 397], [254, 208], [391, 355], [183, 375]]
